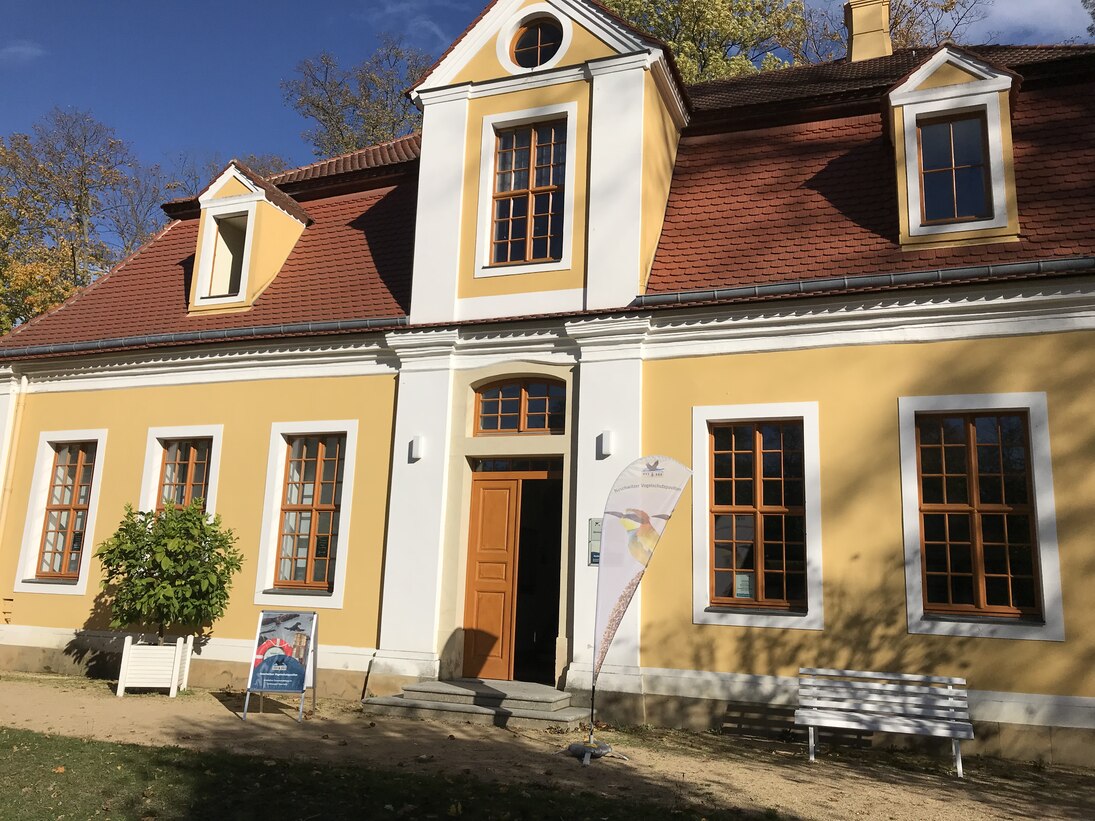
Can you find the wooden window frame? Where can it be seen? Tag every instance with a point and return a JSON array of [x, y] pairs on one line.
[[188, 494], [759, 509], [539, 23], [950, 119], [556, 190], [522, 428], [976, 509], [315, 509], [73, 509]]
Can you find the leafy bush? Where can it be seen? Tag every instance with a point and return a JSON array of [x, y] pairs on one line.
[[173, 568]]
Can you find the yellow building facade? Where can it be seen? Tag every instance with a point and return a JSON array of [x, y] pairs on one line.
[[857, 309]]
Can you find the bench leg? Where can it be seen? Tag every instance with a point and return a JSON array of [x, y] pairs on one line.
[[956, 748], [813, 740]]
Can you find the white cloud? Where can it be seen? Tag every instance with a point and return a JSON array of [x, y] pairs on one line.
[[20, 51], [1032, 21]]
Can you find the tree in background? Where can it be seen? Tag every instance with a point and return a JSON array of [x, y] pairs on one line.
[[360, 106], [1090, 6], [718, 38], [912, 23], [73, 201], [191, 172], [727, 38]]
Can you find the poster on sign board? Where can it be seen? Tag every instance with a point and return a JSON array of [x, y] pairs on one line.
[[284, 646]]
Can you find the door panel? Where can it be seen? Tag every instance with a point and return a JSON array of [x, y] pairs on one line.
[[492, 575]]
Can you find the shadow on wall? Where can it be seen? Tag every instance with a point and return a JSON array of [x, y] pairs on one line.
[[866, 624]]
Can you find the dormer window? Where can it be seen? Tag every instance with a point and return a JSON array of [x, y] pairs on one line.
[[954, 170], [227, 269], [530, 170], [953, 146], [246, 232]]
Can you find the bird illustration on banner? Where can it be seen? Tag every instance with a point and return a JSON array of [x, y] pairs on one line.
[[642, 538]]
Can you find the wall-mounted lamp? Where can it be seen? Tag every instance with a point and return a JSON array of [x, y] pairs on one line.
[[604, 444], [416, 448]]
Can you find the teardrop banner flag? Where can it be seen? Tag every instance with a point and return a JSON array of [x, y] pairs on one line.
[[638, 509]]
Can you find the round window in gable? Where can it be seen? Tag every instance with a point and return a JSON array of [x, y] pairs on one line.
[[537, 41]]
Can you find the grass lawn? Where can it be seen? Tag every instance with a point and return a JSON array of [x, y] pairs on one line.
[[47, 776]]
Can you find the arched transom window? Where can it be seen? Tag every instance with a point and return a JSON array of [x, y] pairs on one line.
[[520, 406]]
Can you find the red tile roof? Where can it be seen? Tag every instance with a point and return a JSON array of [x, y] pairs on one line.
[[353, 262], [393, 152], [819, 199]]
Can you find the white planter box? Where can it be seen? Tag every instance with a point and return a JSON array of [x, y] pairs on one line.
[[155, 665]]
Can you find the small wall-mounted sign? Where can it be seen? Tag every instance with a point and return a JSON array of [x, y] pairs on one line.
[[594, 542]]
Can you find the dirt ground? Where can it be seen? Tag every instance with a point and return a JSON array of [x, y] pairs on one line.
[[671, 768]]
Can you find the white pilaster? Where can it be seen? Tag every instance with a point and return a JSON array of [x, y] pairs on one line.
[[440, 200], [609, 391], [615, 183], [414, 552]]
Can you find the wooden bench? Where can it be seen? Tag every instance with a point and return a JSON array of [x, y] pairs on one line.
[[884, 702]]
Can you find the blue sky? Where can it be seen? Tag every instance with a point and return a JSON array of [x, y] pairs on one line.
[[203, 76]]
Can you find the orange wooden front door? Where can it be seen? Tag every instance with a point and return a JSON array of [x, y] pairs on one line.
[[491, 596]]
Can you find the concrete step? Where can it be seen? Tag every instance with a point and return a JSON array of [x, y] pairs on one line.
[[401, 706], [507, 695]]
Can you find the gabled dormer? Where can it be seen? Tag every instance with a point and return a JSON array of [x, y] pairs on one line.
[[951, 127], [246, 231], [549, 135]]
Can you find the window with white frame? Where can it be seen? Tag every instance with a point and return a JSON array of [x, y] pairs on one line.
[[305, 540], [979, 524], [59, 531], [527, 173], [223, 267], [756, 529], [181, 464]]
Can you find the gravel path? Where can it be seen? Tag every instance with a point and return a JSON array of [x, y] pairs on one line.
[[673, 768]]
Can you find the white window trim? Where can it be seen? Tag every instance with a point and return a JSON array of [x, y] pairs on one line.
[[268, 539], [510, 28], [241, 206], [702, 612], [985, 103], [153, 461], [1045, 514], [36, 513], [483, 246]]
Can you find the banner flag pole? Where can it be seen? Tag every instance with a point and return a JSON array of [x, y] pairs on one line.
[[638, 508]]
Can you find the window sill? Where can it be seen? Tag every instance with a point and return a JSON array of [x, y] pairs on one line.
[[983, 627], [296, 591], [705, 613], [51, 582], [755, 611], [986, 619]]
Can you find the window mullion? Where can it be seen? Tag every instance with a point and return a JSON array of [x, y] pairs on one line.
[[758, 499], [973, 483]]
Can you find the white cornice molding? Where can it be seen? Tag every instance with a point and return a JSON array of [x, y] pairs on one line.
[[985, 79], [423, 350], [608, 338]]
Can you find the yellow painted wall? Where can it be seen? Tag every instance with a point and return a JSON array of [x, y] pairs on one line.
[[660, 138], [247, 410], [948, 75], [232, 188], [469, 286], [857, 389], [484, 65]]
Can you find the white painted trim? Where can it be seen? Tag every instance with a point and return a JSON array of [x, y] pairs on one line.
[[467, 48], [271, 515], [509, 29], [987, 103], [242, 651], [153, 461], [569, 300], [36, 513], [702, 416], [491, 124], [1045, 514], [222, 209], [11, 387], [986, 79]]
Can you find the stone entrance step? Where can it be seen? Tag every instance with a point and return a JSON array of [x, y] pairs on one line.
[[514, 704]]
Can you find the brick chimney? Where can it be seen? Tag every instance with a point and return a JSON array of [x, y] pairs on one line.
[[868, 24]]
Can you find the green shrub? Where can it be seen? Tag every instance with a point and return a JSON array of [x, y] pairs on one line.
[[171, 568]]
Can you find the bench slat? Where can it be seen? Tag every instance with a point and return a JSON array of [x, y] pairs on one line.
[[888, 724], [824, 671], [864, 687], [884, 709], [882, 698]]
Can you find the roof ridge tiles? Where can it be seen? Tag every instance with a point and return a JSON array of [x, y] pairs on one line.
[[412, 137]]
